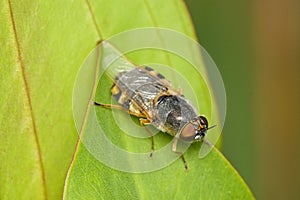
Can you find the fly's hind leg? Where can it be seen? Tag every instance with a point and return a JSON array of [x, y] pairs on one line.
[[118, 107], [110, 106], [144, 122]]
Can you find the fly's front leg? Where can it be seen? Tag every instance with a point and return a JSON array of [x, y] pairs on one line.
[[183, 160], [144, 122], [174, 149]]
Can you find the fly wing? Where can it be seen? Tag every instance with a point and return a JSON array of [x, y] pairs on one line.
[[138, 85], [141, 87]]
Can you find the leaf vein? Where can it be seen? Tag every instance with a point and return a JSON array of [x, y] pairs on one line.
[[28, 96]]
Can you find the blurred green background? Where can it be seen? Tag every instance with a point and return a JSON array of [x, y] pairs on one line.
[[256, 47]]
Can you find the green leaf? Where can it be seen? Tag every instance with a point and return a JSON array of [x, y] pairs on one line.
[[209, 178], [44, 46]]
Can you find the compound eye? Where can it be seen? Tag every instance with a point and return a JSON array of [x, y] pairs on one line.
[[188, 132], [203, 121]]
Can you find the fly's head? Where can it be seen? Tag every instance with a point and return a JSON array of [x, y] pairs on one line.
[[195, 130]]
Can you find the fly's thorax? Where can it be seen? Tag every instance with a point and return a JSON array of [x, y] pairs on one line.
[[172, 112]]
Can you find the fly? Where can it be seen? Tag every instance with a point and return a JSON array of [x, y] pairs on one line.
[[146, 94]]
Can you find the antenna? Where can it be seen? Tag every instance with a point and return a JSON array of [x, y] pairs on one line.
[[211, 127]]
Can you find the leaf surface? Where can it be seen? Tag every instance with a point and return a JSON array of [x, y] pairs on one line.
[[43, 45], [209, 178]]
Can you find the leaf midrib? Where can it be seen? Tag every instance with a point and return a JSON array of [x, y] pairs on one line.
[[89, 101]]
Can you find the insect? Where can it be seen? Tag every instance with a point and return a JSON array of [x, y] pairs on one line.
[[146, 94]]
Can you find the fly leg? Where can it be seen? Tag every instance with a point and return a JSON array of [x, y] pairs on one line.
[[174, 149], [142, 119], [118, 107], [179, 91], [111, 106], [183, 160], [144, 122]]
